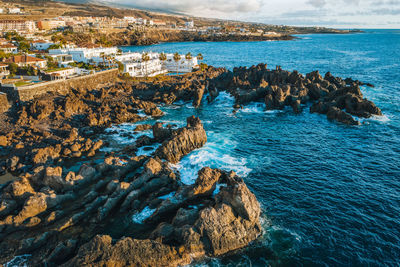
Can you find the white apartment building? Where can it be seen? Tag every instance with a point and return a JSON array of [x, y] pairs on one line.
[[8, 48], [189, 24], [135, 67], [14, 10], [4, 70], [61, 74], [17, 25], [41, 45], [182, 66], [87, 55], [150, 68], [62, 59]]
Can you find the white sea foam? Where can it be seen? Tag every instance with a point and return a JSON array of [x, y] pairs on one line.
[[141, 113], [253, 108], [376, 118], [116, 134], [143, 215], [19, 261], [215, 154], [143, 151], [224, 99]]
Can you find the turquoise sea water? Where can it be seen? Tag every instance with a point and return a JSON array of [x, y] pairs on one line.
[[330, 193]]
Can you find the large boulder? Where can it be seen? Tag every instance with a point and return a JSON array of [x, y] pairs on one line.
[[183, 141]]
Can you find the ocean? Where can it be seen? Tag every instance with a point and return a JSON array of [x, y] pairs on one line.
[[330, 193]]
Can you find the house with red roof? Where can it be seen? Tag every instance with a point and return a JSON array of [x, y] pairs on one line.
[[25, 60]]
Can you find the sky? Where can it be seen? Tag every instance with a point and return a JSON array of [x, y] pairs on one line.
[[327, 13]]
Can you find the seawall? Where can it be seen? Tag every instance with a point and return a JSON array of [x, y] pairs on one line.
[[4, 105], [91, 81]]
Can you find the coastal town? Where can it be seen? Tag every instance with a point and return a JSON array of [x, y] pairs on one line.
[[119, 150], [32, 53]]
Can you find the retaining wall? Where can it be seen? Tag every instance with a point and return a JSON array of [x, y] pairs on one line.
[[4, 105], [92, 81]]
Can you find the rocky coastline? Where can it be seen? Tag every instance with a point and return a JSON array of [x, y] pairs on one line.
[[72, 204], [155, 36]]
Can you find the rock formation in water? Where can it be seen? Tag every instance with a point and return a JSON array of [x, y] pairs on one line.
[[97, 215], [338, 98], [72, 204]]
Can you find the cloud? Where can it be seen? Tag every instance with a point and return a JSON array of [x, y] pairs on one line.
[[195, 7], [317, 3]]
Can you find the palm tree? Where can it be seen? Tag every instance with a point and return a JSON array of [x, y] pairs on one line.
[[177, 57], [188, 56], [162, 57], [200, 57], [145, 59]]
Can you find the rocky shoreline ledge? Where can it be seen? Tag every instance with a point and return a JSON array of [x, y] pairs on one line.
[[72, 204]]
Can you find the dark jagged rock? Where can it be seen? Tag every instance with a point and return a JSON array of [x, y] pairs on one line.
[[62, 217], [214, 229], [183, 141], [279, 88]]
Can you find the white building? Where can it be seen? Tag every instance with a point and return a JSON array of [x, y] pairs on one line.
[[17, 25], [41, 45], [130, 19], [61, 74], [182, 66], [8, 48], [4, 70], [189, 24], [62, 59], [87, 55], [135, 67], [14, 10]]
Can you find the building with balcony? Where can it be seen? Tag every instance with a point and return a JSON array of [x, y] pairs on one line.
[[14, 10], [60, 74], [7, 25], [62, 59], [8, 48], [87, 55], [25, 60], [4, 70], [41, 45], [183, 65], [50, 24]]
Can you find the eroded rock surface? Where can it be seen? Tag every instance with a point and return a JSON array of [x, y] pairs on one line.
[[339, 99], [128, 210]]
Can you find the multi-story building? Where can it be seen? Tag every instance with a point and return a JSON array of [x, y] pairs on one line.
[[25, 60], [17, 25], [87, 55], [150, 68], [4, 70], [62, 59], [50, 24], [8, 48], [181, 66], [189, 24], [41, 45], [60, 74], [14, 10], [136, 67]]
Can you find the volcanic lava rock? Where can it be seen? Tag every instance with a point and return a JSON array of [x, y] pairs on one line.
[[183, 141], [279, 88]]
